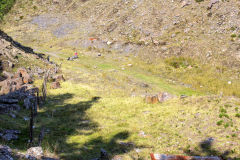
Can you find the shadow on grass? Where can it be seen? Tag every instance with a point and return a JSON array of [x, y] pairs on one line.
[[205, 148], [63, 120]]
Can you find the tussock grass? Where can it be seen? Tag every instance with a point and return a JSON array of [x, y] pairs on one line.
[[212, 79]]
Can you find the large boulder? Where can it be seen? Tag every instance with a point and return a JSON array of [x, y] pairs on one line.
[[55, 85], [22, 72], [163, 96], [6, 87], [6, 65], [151, 99], [59, 78], [36, 152], [5, 153], [160, 97], [9, 135]]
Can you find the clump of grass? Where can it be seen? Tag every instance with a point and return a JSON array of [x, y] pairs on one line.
[[237, 115], [232, 28], [234, 135], [5, 6], [178, 62], [219, 123], [226, 125], [233, 35], [222, 110], [223, 115], [227, 105], [199, 0]]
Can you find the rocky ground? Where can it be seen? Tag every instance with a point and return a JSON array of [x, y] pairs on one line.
[[148, 29], [152, 77], [18, 91]]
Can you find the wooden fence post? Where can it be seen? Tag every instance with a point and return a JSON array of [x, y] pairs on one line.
[[31, 124], [44, 86], [38, 100], [40, 137]]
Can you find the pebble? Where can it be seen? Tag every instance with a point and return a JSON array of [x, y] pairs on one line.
[[12, 115], [26, 118], [142, 133], [109, 42], [173, 35], [137, 150]]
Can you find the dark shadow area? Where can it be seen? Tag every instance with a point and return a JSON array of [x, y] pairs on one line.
[[63, 120], [205, 148]]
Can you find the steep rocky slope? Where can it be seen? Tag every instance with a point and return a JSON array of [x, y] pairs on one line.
[[205, 32], [149, 29], [20, 66]]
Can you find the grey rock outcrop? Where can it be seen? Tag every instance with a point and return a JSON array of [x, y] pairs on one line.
[[9, 135], [5, 153]]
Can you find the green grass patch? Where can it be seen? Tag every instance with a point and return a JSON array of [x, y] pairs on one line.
[[5, 6], [233, 35], [237, 115], [89, 114]]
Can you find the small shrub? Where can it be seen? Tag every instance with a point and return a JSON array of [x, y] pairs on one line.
[[223, 115], [5, 6], [199, 0], [226, 125], [233, 35], [227, 105], [237, 115], [222, 110], [232, 28], [219, 123], [178, 62]]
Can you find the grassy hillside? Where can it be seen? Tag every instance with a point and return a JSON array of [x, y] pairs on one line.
[[190, 44], [127, 50], [5, 6], [101, 106]]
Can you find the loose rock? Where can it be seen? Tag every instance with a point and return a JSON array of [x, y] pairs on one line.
[[59, 78], [36, 152], [9, 135], [5, 153], [55, 85]]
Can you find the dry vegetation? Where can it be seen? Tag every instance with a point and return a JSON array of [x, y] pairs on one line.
[[188, 51]]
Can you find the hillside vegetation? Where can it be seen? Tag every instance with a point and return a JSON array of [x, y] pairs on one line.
[[129, 50], [151, 30], [5, 6]]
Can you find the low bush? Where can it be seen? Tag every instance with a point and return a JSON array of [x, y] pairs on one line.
[[178, 62], [5, 6]]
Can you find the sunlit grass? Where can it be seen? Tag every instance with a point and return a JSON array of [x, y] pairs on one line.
[[169, 127]]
